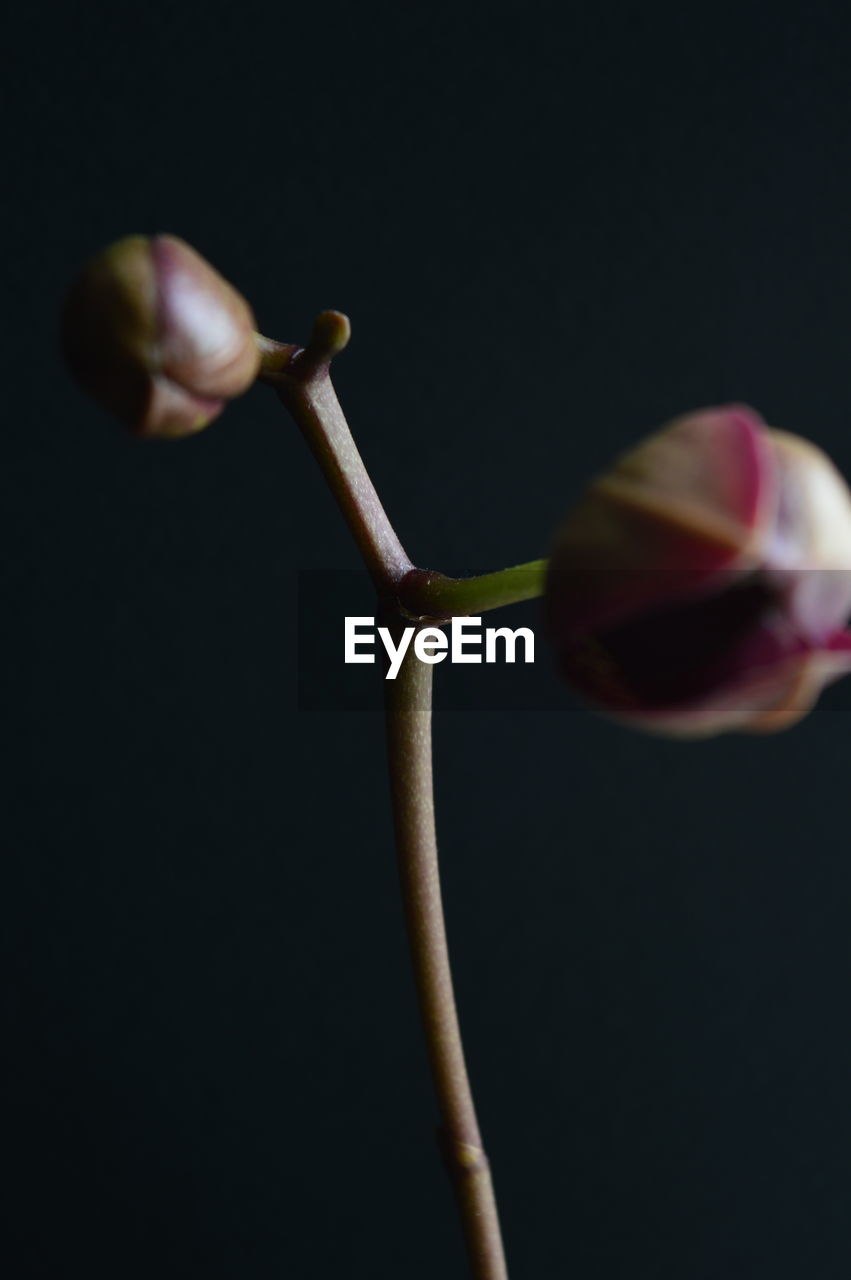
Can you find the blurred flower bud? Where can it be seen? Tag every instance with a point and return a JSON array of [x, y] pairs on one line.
[[157, 336], [704, 582]]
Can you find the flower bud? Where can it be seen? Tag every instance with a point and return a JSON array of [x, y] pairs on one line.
[[704, 582], [157, 336]]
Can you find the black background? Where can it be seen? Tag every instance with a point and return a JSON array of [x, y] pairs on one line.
[[553, 227]]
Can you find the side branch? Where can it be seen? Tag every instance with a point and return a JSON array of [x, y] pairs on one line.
[[425, 593]]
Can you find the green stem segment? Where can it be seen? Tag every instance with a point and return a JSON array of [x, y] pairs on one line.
[[426, 594], [303, 383], [408, 701]]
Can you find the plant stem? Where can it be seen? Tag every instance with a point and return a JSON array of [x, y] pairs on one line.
[[302, 380], [408, 701], [427, 594]]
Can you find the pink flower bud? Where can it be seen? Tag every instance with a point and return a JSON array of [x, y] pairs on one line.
[[704, 582], [157, 336]]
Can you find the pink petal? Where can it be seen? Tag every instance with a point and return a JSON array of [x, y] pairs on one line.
[[689, 505]]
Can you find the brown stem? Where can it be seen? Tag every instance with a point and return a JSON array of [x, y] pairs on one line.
[[408, 702], [303, 383]]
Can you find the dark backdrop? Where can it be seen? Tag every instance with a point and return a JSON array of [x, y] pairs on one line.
[[553, 227]]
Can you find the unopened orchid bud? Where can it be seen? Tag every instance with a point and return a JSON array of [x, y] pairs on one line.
[[704, 582], [157, 336]]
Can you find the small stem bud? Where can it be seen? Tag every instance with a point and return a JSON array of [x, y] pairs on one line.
[[331, 333]]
